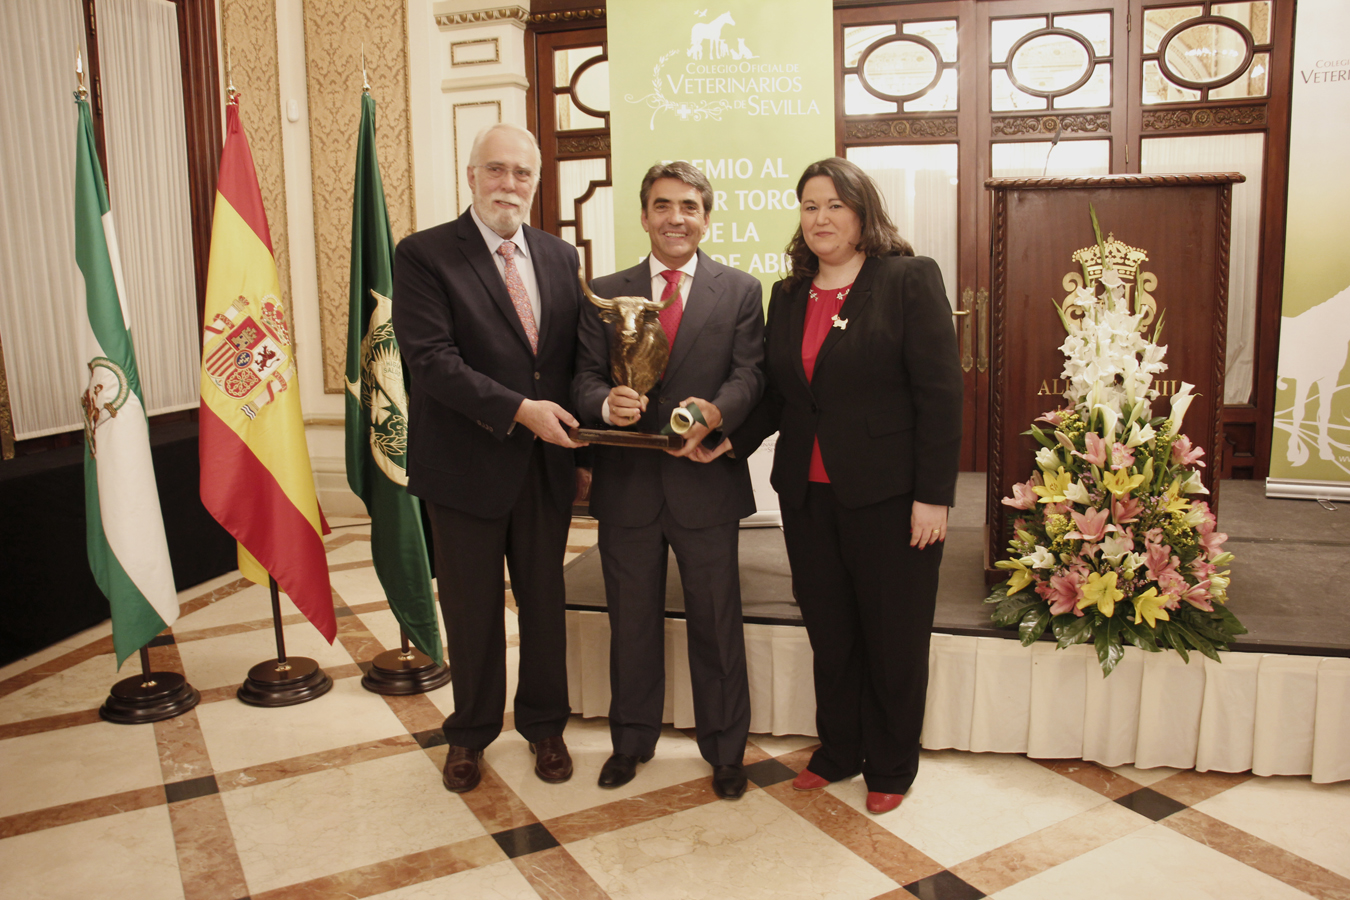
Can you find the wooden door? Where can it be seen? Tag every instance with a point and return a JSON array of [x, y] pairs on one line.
[[959, 92]]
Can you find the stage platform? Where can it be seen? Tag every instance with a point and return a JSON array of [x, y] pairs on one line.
[[1278, 704]]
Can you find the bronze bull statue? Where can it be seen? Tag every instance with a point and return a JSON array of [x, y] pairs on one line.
[[638, 349]]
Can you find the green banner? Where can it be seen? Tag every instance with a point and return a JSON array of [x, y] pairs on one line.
[[1312, 410], [744, 90]]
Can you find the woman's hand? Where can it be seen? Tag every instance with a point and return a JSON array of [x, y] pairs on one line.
[[927, 525]]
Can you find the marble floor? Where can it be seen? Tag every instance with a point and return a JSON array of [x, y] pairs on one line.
[[341, 797]]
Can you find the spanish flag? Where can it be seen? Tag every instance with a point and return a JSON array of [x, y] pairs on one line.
[[255, 472]]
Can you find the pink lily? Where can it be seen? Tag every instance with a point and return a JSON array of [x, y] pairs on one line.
[[1208, 521], [1023, 496], [1096, 449], [1125, 511], [1170, 582], [1121, 457], [1198, 595], [1054, 417], [1091, 525], [1213, 543], [1063, 593], [1186, 454], [1158, 559]]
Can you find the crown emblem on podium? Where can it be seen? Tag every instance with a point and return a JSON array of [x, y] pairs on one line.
[[1122, 257], [1126, 261]]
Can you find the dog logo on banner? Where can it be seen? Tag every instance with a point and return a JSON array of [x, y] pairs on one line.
[[247, 354]]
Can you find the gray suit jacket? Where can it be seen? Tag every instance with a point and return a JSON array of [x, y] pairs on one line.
[[716, 357]]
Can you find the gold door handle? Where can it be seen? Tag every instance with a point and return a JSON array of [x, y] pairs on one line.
[[967, 358], [982, 315]]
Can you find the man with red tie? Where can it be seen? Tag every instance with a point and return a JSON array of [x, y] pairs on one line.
[[649, 501], [485, 311]]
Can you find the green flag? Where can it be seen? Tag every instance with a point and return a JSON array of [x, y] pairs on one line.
[[128, 552], [377, 408]]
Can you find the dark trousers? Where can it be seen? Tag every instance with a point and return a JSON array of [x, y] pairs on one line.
[[469, 551], [867, 599], [634, 563]]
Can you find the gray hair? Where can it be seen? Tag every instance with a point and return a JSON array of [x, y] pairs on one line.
[[475, 154]]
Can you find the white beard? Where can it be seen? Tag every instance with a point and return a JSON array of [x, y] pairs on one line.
[[503, 220]]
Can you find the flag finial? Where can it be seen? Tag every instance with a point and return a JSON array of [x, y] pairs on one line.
[[230, 93], [365, 80], [81, 93]]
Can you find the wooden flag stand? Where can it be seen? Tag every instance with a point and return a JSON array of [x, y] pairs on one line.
[[406, 670], [283, 682], [148, 697]]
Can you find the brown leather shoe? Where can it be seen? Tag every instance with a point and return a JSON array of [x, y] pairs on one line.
[[461, 769], [552, 762]]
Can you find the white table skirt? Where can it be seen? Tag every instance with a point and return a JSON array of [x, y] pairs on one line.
[[1270, 713]]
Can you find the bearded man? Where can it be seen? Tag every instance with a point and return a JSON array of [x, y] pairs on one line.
[[485, 310]]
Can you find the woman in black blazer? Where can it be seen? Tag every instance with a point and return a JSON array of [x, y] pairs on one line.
[[864, 389]]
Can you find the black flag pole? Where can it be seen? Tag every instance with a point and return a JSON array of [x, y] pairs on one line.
[[284, 681], [149, 696], [406, 670]]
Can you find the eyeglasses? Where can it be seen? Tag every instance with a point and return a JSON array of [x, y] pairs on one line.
[[499, 172]]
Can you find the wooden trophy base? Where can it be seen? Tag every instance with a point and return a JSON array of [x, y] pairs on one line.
[[397, 674], [297, 680], [618, 438], [148, 698]]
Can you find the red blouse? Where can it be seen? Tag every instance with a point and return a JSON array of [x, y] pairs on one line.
[[822, 308]]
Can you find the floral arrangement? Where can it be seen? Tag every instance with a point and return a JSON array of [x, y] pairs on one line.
[[1114, 544]]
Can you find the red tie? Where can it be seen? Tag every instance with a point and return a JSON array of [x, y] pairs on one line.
[[670, 316], [519, 298]]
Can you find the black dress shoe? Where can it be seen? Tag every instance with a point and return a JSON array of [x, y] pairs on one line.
[[461, 769], [728, 781], [619, 769], [552, 762]]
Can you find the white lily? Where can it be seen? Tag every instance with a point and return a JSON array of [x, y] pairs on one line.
[[1181, 400], [1076, 493]]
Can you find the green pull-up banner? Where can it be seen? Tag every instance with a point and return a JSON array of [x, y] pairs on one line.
[[744, 90]]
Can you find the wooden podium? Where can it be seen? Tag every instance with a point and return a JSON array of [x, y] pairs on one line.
[[1175, 230]]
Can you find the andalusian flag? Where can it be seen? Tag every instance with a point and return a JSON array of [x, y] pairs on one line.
[[377, 408], [256, 478], [127, 549]]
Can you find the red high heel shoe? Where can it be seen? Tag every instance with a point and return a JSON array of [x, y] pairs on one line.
[[878, 802]]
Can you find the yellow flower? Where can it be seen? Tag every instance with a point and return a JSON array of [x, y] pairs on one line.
[[1149, 605], [1176, 502], [1100, 591], [1055, 486], [1121, 483], [1021, 576]]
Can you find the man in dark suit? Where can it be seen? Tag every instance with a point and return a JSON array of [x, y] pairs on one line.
[[485, 311], [648, 501]]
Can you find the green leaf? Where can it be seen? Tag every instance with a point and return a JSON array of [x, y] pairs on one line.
[[1071, 630], [1227, 621], [1196, 641], [1140, 636], [1042, 438], [1013, 607], [1034, 625], [1110, 650]]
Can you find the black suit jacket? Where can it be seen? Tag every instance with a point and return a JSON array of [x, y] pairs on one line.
[[716, 357], [885, 397], [471, 365]]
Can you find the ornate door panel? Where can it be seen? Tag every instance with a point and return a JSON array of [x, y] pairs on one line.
[[575, 195]]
